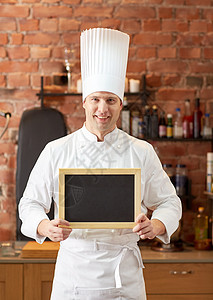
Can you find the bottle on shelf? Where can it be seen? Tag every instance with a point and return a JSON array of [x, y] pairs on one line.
[[181, 180], [162, 125], [207, 130], [125, 116], [209, 173], [169, 171], [154, 122], [187, 121], [178, 125], [135, 119], [146, 120], [169, 128], [201, 230], [197, 119]]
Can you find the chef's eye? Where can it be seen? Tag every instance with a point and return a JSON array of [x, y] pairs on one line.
[[95, 99], [111, 100]]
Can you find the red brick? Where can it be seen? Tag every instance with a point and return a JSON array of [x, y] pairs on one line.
[[92, 1], [3, 38], [42, 38], [208, 53], [151, 25], [167, 52], [3, 160], [8, 148], [108, 23], [171, 79], [168, 66], [199, 67], [136, 66], [135, 12], [28, 25], [100, 11], [165, 12], [189, 53], [16, 38], [152, 39], [198, 2], [15, 11], [52, 11], [40, 52], [15, 66], [174, 25], [7, 24], [9, 1], [12, 162], [2, 52], [208, 39], [187, 13], [131, 26], [50, 25], [72, 1], [206, 93], [198, 26], [7, 176], [90, 24], [18, 80], [68, 24], [2, 81], [170, 94], [208, 14], [18, 52], [153, 80], [146, 52], [49, 67], [71, 38], [189, 40]]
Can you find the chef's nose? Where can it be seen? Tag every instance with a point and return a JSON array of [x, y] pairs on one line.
[[102, 106]]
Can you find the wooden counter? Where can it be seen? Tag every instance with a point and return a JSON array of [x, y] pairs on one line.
[[173, 276]]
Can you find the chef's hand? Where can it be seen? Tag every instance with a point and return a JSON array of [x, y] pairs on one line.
[[148, 229], [52, 230]]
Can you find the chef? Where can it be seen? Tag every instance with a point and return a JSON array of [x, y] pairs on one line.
[[96, 264]]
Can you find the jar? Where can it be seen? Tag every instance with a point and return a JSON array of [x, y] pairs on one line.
[[169, 171], [181, 180]]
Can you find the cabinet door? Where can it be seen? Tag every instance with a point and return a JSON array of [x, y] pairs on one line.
[[11, 281], [179, 278], [38, 281]]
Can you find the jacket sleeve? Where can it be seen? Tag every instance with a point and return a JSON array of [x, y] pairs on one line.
[[159, 195], [37, 197]]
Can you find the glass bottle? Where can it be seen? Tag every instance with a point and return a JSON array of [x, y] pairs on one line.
[[169, 171], [154, 122], [162, 125], [125, 116], [207, 130], [178, 125], [201, 230], [197, 119], [169, 128], [181, 180], [187, 121], [146, 120], [135, 116]]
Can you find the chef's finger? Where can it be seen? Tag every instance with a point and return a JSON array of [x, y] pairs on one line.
[[140, 218]]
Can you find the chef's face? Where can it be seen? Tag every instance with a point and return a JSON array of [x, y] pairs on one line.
[[102, 111]]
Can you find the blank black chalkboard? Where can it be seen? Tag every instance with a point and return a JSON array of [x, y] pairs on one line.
[[99, 198]]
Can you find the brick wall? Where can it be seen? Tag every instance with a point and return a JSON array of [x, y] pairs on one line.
[[171, 42]]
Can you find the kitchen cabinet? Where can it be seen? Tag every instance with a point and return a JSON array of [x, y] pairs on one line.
[[11, 281], [185, 275], [179, 281], [38, 281]]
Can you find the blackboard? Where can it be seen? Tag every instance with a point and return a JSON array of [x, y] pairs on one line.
[[99, 198]]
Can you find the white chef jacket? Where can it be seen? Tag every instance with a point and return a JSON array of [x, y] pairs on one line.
[[82, 150]]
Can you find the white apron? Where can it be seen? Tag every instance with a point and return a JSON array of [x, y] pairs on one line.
[[88, 269]]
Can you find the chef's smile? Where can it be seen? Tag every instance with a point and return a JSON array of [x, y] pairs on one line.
[[102, 112]]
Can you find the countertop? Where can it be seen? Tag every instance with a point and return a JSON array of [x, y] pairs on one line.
[[188, 255]]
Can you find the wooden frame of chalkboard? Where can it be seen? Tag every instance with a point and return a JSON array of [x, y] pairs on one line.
[[100, 198]]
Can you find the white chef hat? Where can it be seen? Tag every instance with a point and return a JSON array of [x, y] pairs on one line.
[[104, 54]]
